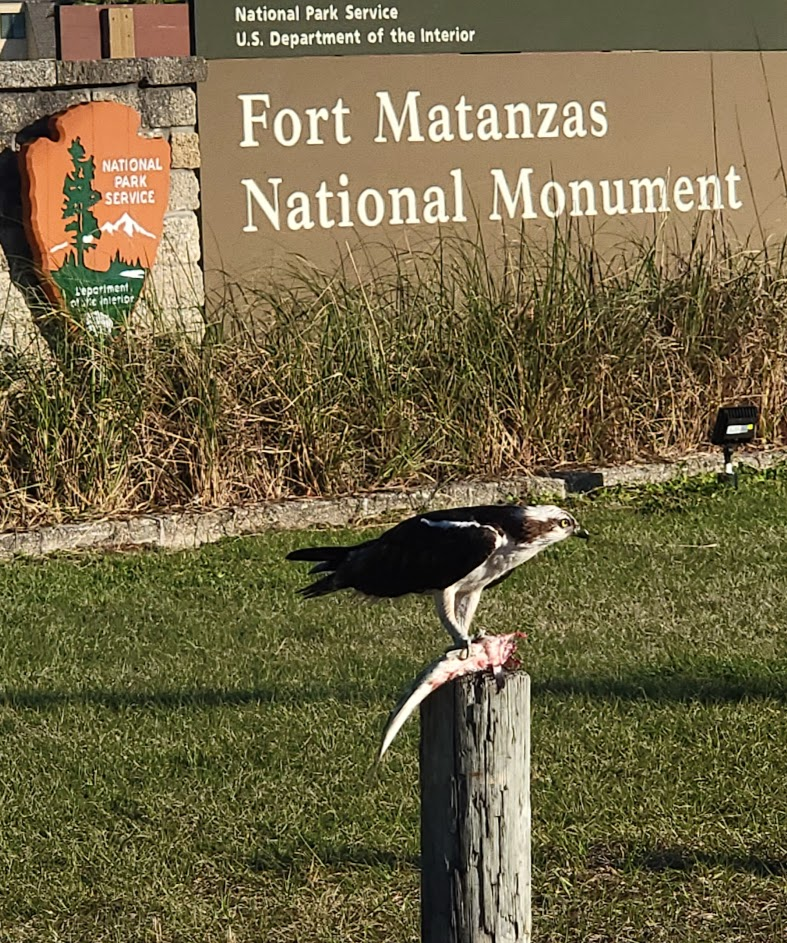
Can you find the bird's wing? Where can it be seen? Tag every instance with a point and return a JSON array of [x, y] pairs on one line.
[[420, 555]]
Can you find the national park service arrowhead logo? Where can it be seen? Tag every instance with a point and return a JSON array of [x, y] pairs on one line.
[[95, 202]]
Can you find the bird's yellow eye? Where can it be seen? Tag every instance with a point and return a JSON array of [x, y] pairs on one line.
[[565, 522]]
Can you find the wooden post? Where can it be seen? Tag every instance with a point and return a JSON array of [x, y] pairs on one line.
[[475, 812], [118, 32]]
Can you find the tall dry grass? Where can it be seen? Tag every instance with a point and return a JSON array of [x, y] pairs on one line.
[[442, 368]]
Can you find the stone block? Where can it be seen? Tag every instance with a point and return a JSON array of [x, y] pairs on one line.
[[9, 113], [28, 73], [125, 94], [159, 71], [185, 149], [155, 133], [169, 70], [18, 110], [185, 319], [183, 191], [182, 286], [172, 300], [165, 107], [98, 72], [174, 293], [175, 287], [180, 241], [18, 332]]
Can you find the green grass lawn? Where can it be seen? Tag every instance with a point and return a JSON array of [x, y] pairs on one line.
[[186, 745]]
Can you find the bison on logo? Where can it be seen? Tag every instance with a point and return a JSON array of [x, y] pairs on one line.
[[95, 202]]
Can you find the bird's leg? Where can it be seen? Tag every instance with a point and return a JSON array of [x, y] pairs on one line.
[[445, 603], [466, 605]]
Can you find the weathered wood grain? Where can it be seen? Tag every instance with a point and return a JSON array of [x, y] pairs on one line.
[[475, 812], [118, 30]]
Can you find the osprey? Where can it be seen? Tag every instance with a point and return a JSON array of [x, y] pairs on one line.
[[450, 555]]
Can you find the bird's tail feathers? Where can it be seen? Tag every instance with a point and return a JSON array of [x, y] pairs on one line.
[[327, 559], [332, 555], [328, 584]]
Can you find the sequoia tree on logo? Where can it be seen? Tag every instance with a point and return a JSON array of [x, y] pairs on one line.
[[96, 194], [80, 197]]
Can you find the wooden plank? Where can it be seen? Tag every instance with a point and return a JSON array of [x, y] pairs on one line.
[[119, 33], [475, 812]]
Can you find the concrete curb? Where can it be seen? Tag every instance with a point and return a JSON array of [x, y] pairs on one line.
[[186, 530]]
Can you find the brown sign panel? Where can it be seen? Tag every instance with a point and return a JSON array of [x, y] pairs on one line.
[[286, 28], [95, 196], [314, 158]]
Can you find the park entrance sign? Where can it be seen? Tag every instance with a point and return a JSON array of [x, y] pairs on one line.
[[96, 195], [284, 28], [313, 150]]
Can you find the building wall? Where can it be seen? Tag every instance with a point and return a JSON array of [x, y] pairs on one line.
[[164, 93]]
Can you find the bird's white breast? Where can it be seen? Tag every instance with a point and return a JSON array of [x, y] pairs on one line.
[[506, 555]]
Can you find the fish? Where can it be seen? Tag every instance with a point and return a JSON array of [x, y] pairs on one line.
[[495, 653]]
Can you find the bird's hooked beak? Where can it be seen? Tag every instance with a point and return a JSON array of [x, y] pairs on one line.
[[581, 532]]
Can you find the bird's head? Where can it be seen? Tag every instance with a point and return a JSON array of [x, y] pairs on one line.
[[546, 524]]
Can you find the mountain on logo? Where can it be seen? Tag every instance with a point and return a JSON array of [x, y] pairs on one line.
[[125, 225], [128, 225], [125, 239]]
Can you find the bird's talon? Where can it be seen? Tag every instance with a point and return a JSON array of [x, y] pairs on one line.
[[461, 649]]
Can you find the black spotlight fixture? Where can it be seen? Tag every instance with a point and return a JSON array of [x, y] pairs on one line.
[[735, 425]]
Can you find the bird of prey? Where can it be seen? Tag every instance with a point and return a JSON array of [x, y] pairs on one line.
[[450, 555]]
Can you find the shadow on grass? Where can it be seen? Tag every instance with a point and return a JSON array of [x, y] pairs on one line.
[[286, 694], [622, 859], [339, 856], [686, 860], [675, 687]]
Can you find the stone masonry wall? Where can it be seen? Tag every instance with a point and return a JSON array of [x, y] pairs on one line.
[[164, 93]]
